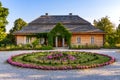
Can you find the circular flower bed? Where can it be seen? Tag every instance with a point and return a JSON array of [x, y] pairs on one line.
[[60, 60]]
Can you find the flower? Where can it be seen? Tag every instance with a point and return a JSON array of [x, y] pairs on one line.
[[49, 57], [59, 56]]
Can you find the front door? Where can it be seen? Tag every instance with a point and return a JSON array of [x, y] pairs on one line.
[[59, 41]]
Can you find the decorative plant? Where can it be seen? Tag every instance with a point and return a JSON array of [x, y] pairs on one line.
[[32, 60], [60, 56], [59, 30]]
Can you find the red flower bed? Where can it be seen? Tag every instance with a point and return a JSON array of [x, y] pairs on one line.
[[61, 67]]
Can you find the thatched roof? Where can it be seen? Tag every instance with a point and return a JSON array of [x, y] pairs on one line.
[[46, 23]]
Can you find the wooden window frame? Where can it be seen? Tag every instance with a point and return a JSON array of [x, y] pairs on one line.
[[78, 40], [28, 39], [92, 40]]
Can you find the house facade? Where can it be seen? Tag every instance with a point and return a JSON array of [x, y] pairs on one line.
[[82, 31]]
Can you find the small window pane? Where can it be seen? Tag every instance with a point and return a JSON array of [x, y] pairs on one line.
[[78, 40], [42, 40], [92, 39], [28, 39]]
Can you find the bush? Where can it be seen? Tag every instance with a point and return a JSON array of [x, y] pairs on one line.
[[106, 45], [85, 47], [27, 46], [46, 48], [10, 46], [38, 47], [74, 47], [35, 43], [117, 45]]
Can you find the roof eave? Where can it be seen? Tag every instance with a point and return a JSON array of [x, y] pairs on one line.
[[88, 33]]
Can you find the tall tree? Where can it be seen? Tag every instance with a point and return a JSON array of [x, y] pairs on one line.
[[3, 21], [2, 34], [118, 34], [18, 25], [118, 28], [106, 25]]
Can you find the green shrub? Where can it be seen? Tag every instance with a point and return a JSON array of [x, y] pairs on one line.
[[10, 46], [46, 48], [117, 45], [27, 46], [20, 45], [38, 46], [74, 47], [35, 43], [84, 47], [79, 46], [106, 45]]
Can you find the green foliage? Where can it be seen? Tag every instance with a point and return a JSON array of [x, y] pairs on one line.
[[46, 48], [3, 21], [59, 30], [118, 35], [18, 25], [6, 41], [83, 59], [106, 25], [118, 28], [2, 34], [35, 43], [106, 45], [84, 47], [3, 15], [41, 35], [117, 45], [24, 47]]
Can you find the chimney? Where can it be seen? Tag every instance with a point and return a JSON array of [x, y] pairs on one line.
[[46, 14], [70, 14]]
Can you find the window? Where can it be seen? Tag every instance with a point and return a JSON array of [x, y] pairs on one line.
[[92, 39], [78, 40], [28, 39], [42, 40]]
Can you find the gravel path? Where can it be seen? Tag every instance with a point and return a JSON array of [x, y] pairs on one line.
[[9, 72]]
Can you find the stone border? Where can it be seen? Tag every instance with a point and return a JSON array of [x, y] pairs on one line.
[[10, 61]]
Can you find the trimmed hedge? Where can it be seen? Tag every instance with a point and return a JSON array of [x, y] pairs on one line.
[[84, 47], [25, 47]]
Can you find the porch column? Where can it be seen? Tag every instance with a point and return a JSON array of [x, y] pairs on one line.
[[63, 42], [56, 41]]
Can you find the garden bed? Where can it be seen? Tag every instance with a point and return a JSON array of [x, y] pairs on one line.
[[55, 60]]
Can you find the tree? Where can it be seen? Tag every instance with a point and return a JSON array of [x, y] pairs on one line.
[[118, 28], [18, 25], [106, 25], [2, 34], [118, 34], [3, 21]]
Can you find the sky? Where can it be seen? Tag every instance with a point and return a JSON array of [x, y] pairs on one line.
[[29, 10]]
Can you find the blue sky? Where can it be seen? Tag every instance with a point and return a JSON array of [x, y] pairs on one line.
[[29, 10]]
